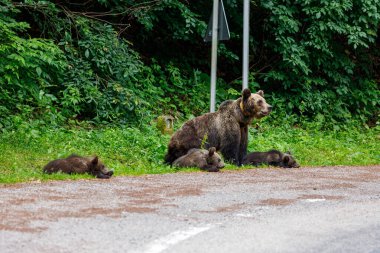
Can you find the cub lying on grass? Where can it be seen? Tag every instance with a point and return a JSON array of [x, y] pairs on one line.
[[272, 157], [208, 160], [80, 165]]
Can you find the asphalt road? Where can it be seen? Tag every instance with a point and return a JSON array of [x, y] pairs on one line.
[[329, 209]]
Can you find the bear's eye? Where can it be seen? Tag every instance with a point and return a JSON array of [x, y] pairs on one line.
[[260, 102], [219, 160]]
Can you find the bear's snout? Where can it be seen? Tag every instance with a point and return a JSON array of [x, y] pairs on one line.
[[105, 175], [296, 165], [266, 111]]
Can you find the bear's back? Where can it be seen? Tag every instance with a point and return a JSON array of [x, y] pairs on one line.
[[194, 158], [272, 157], [71, 164]]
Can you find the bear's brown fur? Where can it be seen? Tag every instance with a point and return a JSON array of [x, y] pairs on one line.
[[204, 159], [80, 165], [226, 129], [272, 157]]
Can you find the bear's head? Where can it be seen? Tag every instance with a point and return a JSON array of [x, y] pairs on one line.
[[213, 159], [288, 161], [98, 169], [254, 105]]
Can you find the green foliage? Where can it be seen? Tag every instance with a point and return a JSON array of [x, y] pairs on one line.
[[28, 69], [90, 73], [127, 61], [103, 82], [325, 47]]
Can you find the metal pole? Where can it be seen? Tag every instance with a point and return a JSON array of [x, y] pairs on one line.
[[214, 54], [246, 44]]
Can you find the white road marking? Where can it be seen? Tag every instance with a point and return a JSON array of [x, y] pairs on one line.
[[165, 242], [315, 200]]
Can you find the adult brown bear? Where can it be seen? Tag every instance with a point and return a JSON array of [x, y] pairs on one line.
[[226, 129]]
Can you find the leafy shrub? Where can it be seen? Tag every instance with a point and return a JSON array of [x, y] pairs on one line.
[[29, 70], [128, 61], [324, 47]]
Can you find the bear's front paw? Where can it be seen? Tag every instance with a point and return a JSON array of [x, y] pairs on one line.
[[213, 169]]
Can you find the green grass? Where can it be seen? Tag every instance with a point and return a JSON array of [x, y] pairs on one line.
[[130, 151], [321, 148]]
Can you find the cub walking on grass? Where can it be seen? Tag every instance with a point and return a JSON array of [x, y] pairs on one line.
[[272, 157], [204, 159], [80, 165]]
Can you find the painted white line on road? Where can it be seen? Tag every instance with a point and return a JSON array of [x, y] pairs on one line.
[[315, 200], [165, 242]]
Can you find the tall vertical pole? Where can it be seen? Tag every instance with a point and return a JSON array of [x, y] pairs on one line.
[[245, 44], [214, 53]]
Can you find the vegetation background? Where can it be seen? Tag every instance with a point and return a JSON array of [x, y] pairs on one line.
[[73, 68]]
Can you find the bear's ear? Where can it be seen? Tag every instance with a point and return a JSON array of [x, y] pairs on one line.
[[246, 94], [285, 159], [260, 92], [95, 160], [211, 151]]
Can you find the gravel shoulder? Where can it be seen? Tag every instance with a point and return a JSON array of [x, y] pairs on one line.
[[321, 209]]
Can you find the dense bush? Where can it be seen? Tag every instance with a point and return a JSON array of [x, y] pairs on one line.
[[127, 61], [29, 68], [326, 67]]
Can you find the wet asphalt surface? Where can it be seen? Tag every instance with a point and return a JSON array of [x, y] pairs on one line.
[[328, 209]]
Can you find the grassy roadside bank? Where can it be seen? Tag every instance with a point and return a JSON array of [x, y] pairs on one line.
[[132, 151]]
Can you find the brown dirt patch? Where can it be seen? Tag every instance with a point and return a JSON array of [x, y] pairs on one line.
[[188, 191], [136, 209], [114, 212], [146, 201], [230, 208], [88, 212], [146, 191], [277, 202], [20, 201], [59, 198], [225, 209], [23, 229]]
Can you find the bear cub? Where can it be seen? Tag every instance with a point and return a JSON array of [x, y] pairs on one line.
[[272, 157], [208, 160], [80, 165]]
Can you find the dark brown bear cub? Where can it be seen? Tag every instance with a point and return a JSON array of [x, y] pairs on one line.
[[272, 157], [226, 129], [80, 165], [204, 159]]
